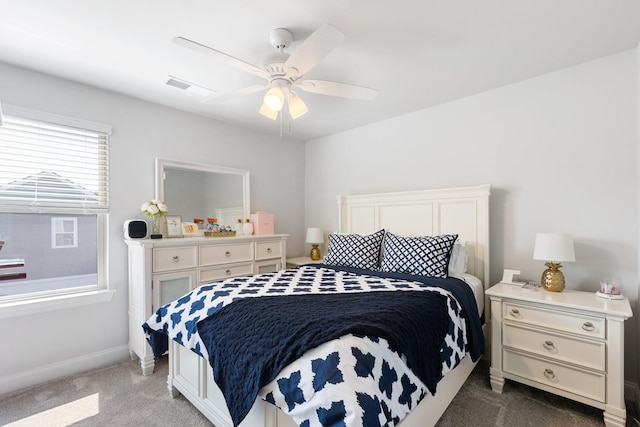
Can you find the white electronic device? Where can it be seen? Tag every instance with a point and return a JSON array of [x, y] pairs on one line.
[[134, 229]]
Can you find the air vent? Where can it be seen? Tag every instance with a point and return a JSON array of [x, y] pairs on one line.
[[178, 84], [189, 87]]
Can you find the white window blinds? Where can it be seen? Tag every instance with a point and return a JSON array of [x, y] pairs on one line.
[[51, 166]]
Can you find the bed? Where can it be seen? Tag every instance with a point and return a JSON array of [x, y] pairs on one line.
[[459, 215]]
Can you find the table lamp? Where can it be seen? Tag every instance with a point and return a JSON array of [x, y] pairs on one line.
[[553, 248], [315, 237]]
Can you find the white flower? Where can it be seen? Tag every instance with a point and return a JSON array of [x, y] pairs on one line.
[[154, 208]]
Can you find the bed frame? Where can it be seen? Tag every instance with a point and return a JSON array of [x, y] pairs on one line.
[[463, 211]]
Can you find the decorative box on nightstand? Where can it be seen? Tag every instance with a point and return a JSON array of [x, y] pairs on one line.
[[294, 262], [569, 343]]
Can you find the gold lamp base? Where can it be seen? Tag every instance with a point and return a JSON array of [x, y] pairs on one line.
[[552, 278], [315, 252]]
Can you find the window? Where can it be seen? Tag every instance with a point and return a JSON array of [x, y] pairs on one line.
[[64, 232], [53, 205]]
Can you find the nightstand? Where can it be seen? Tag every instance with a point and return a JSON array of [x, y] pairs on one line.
[[569, 343], [294, 262]]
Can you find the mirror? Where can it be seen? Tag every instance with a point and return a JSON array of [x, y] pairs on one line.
[[197, 190]]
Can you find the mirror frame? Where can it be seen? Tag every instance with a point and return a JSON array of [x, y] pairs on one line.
[[162, 164]]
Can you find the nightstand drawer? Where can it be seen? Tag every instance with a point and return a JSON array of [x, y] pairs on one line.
[[167, 259], [574, 323], [207, 275], [580, 382], [224, 254], [590, 354], [266, 250]]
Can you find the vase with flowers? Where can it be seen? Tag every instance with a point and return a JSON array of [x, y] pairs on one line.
[[154, 209]]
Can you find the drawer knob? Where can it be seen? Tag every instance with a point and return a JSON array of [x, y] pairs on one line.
[[515, 312], [588, 326], [227, 254], [549, 345], [175, 259], [549, 374], [269, 250], [228, 272]]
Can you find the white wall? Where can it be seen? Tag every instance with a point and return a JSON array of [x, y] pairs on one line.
[[36, 348], [560, 152]]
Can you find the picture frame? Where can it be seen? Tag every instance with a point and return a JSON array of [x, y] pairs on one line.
[[174, 225], [189, 229]]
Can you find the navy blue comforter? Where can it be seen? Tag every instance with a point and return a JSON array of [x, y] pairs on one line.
[[250, 341]]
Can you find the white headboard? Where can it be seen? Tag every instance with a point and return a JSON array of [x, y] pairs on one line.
[[463, 211]]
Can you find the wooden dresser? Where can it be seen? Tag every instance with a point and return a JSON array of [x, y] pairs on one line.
[[570, 343], [161, 270]]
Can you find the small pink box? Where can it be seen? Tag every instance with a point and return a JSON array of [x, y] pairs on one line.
[[262, 223]]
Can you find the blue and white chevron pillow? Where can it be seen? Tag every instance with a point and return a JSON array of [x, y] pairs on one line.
[[422, 256], [355, 250]]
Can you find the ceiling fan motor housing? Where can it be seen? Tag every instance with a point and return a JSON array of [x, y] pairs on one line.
[[273, 63], [280, 38]]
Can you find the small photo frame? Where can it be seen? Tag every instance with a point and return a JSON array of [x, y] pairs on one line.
[[174, 225], [189, 229]]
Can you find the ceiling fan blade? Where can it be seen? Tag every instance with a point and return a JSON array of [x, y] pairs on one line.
[[221, 56], [343, 90], [318, 45], [233, 94]]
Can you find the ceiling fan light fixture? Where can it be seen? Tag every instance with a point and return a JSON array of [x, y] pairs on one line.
[[267, 112], [274, 99], [297, 107]]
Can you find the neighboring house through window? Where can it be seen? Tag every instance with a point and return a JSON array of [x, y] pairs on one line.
[[53, 205]]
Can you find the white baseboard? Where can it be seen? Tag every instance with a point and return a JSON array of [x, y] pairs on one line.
[[61, 369]]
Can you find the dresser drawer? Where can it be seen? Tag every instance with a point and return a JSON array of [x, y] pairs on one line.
[[224, 254], [207, 275], [587, 353], [580, 382], [167, 259], [575, 323], [266, 250]]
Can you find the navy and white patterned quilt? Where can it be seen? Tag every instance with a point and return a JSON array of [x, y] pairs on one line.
[[349, 381]]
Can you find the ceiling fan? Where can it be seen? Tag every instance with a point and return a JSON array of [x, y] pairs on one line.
[[283, 72]]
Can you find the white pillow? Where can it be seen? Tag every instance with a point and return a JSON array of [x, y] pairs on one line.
[[458, 260]]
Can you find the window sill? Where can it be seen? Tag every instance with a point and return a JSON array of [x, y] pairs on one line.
[[59, 302]]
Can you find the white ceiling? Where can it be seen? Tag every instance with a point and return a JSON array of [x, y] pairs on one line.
[[416, 53]]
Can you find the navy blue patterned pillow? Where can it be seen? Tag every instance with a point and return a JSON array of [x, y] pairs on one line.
[[422, 256], [355, 250]]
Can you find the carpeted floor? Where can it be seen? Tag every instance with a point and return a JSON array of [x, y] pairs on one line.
[[518, 405], [118, 395], [124, 398]]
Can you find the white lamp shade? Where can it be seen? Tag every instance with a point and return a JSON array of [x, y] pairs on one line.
[[315, 235], [554, 247], [297, 107], [265, 111], [274, 99]]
